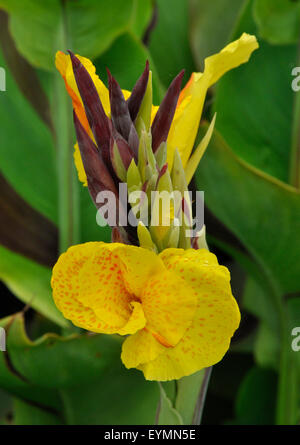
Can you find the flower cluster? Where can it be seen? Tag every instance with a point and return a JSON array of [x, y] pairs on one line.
[[174, 302]]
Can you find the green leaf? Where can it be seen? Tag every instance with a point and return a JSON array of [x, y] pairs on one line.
[[30, 282], [256, 398], [261, 211], [169, 44], [278, 20], [129, 49], [267, 347], [92, 26], [255, 105], [188, 394], [28, 414], [79, 378], [118, 397], [168, 414], [141, 16], [27, 156], [211, 25]]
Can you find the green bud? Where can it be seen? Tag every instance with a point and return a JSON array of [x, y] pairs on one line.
[[143, 119], [133, 179], [178, 174], [118, 164], [161, 154], [201, 239], [145, 237], [174, 237]]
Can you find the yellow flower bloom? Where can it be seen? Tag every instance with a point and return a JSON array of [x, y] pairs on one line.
[[187, 116], [176, 307]]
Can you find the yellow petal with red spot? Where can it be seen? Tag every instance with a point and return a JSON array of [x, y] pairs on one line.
[[103, 290], [140, 348], [169, 306], [89, 290], [186, 121], [177, 307], [65, 285], [217, 316], [138, 265]]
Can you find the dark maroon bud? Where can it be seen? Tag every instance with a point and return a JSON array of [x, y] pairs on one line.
[[98, 176], [133, 141], [119, 235], [125, 150], [163, 119], [98, 121], [119, 110], [195, 243], [135, 100]]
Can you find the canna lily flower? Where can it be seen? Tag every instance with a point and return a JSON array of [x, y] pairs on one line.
[[173, 303], [175, 308], [183, 114]]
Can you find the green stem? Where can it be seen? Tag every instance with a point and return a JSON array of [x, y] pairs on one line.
[[295, 149], [287, 398], [197, 418], [68, 205]]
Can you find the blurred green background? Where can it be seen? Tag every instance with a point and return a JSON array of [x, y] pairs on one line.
[[53, 374]]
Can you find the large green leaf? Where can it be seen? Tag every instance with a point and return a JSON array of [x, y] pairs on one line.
[[256, 398], [169, 43], [119, 397], [91, 26], [262, 212], [278, 20], [80, 377], [30, 282], [126, 60], [27, 414], [255, 105], [211, 24], [27, 156]]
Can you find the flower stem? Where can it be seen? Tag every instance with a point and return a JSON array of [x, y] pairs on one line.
[[295, 148], [197, 418], [68, 205], [287, 398]]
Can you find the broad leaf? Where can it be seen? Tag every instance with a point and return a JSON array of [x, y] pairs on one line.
[[92, 26], [254, 105], [169, 44], [211, 25], [278, 20]]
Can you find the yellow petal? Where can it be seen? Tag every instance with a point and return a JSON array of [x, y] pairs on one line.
[[138, 265], [216, 318], [140, 348], [102, 288], [65, 284], [186, 121], [196, 157], [79, 165], [233, 55], [89, 290], [169, 305], [136, 321]]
